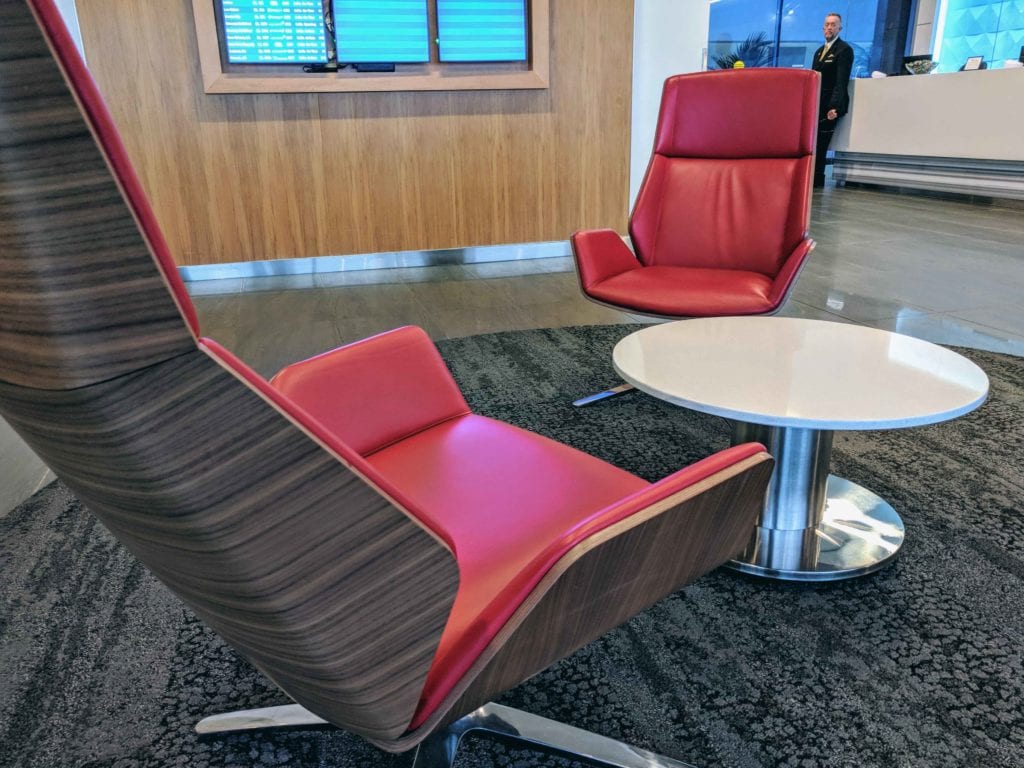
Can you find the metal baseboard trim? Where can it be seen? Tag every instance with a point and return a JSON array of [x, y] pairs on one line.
[[386, 260], [1002, 179]]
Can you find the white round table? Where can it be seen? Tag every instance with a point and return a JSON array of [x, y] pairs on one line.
[[789, 383]]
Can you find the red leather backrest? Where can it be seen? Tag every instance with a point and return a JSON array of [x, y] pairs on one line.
[[763, 112], [728, 185], [736, 214]]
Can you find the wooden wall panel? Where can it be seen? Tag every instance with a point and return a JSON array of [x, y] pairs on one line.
[[250, 177]]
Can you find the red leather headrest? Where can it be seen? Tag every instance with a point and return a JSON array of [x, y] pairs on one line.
[[764, 112]]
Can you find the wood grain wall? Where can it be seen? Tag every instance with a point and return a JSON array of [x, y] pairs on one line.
[[241, 178]]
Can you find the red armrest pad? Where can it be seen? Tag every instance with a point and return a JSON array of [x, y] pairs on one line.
[[790, 269], [662, 489], [600, 254], [377, 391]]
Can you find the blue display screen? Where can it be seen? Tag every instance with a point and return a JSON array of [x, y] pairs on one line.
[[274, 31], [381, 31], [481, 30]]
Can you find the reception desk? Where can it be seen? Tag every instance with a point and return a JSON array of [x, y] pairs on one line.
[[957, 132]]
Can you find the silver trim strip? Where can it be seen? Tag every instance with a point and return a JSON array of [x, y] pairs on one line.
[[386, 260], [965, 176]]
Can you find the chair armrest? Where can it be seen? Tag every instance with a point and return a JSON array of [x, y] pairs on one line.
[[786, 277], [625, 558], [377, 391], [600, 254], [665, 490], [625, 568]]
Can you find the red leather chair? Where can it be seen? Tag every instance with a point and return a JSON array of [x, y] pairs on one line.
[[720, 223], [389, 559]]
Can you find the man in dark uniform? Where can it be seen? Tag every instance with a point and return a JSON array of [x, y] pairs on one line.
[[834, 60]]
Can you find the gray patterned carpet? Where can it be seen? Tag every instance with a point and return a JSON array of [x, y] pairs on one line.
[[919, 665]]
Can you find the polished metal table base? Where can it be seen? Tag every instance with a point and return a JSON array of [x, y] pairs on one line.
[[858, 534], [814, 526]]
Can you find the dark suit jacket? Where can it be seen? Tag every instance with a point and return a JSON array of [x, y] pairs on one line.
[[835, 77]]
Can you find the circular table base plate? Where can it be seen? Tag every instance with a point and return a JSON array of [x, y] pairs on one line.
[[858, 534]]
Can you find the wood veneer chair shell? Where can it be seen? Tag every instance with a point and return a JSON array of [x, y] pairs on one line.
[[300, 564], [288, 544], [91, 306], [278, 545]]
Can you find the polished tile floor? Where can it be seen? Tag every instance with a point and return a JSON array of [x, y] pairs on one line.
[[947, 271]]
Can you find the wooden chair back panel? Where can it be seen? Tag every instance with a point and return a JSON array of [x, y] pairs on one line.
[[83, 299], [298, 563]]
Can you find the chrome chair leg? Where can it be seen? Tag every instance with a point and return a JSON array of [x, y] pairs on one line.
[[268, 717], [596, 398], [438, 750], [495, 721], [538, 733]]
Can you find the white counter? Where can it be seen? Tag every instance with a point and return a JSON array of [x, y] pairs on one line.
[[961, 132]]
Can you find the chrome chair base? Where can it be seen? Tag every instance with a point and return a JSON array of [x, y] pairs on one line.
[[537, 733], [621, 389], [495, 721], [267, 717]]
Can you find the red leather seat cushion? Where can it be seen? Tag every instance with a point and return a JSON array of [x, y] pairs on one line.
[[512, 503], [508, 503], [687, 291]]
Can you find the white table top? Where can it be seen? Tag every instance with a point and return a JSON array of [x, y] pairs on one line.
[[790, 372]]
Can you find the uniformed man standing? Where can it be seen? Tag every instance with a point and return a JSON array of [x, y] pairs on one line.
[[834, 60]]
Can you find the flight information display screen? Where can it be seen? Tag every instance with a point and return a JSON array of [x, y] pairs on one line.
[[274, 31], [393, 31], [481, 30]]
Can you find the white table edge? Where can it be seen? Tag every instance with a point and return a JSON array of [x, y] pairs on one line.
[[802, 422]]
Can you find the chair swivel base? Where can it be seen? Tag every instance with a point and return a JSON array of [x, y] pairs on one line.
[[251, 719], [621, 389], [492, 720]]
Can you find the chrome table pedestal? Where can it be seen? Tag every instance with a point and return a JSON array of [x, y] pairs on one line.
[[815, 526]]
